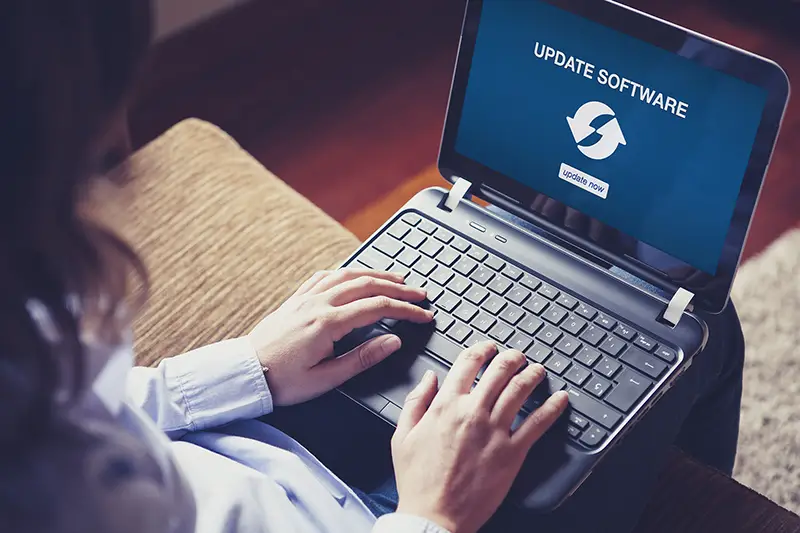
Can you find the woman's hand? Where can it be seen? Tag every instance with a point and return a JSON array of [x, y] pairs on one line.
[[454, 454], [295, 342]]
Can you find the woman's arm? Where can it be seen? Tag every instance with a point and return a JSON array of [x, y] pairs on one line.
[[203, 388]]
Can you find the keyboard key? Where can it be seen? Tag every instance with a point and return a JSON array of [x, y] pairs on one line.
[[424, 266], [557, 364], [431, 248], [549, 386], [412, 218], [460, 244], [443, 322], [626, 332], [593, 437], [427, 226], [444, 235], [593, 335], [466, 312], [494, 262], [415, 239], [397, 268], [444, 348], [512, 272], [667, 354], [448, 256], [549, 292], [434, 292], [644, 362], [483, 322], [466, 266], [567, 301], [399, 230], [448, 302], [500, 285], [518, 294], [512, 314], [598, 386], [482, 275], [592, 409], [608, 367], [555, 315], [476, 294], [530, 325], [539, 353], [574, 325], [605, 321], [578, 421], [477, 253], [494, 304], [475, 339], [441, 275], [577, 375], [568, 345], [532, 282], [612, 345], [520, 342], [628, 392], [536, 305], [501, 332], [459, 332], [375, 260], [646, 343], [549, 335], [408, 257], [415, 280], [459, 284], [572, 431], [588, 356], [586, 312]]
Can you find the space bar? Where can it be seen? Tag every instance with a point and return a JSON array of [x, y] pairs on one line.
[[397, 392], [443, 348]]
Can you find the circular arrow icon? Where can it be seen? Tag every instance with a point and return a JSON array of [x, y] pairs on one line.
[[610, 133]]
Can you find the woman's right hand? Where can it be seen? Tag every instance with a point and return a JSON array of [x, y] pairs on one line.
[[454, 454]]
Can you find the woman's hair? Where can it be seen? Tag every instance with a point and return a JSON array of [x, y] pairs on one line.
[[68, 68]]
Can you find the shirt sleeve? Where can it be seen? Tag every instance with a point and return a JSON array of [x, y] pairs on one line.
[[201, 389], [405, 523]]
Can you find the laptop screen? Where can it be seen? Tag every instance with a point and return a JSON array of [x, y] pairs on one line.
[[622, 139]]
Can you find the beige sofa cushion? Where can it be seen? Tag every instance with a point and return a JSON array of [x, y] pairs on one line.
[[224, 240]]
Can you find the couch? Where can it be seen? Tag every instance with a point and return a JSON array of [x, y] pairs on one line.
[[226, 242]]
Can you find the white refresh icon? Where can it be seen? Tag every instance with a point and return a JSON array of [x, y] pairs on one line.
[[610, 133]]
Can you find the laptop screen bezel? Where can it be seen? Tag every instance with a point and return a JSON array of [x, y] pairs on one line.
[[712, 294]]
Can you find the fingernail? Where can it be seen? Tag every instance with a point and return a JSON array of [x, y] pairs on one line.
[[430, 314], [391, 345], [536, 367], [429, 375]]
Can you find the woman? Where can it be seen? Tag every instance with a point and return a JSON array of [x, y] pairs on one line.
[[181, 450]]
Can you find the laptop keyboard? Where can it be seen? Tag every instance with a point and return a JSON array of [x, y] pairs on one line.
[[605, 365]]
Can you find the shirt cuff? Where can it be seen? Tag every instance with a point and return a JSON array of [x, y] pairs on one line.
[[220, 383], [406, 523]]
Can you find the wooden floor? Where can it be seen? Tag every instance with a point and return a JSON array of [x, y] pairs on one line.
[[345, 100]]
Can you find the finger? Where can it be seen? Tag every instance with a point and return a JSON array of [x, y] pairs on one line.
[[497, 377], [464, 371], [367, 287], [358, 314], [417, 403], [346, 274], [516, 394], [332, 373], [311, 282], [539, 421]]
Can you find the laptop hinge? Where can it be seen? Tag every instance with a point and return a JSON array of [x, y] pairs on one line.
[[680, 303], [457, 193]]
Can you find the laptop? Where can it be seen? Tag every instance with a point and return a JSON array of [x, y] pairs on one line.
[[621, 158]]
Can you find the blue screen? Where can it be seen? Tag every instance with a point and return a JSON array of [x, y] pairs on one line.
[[640, 138]]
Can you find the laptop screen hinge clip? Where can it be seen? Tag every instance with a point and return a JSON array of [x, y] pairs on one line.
[[458, 192], [680, 303]]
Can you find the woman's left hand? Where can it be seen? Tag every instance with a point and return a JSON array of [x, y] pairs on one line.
[[295, 342]]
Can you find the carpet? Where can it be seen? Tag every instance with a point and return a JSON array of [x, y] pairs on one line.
[[767, 296]]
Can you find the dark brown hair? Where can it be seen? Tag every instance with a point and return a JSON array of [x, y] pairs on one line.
[[68, 67]]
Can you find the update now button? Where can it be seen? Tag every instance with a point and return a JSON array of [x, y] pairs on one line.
[[583, 180]]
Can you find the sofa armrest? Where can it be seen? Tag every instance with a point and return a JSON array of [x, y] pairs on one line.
[[224, 240]]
